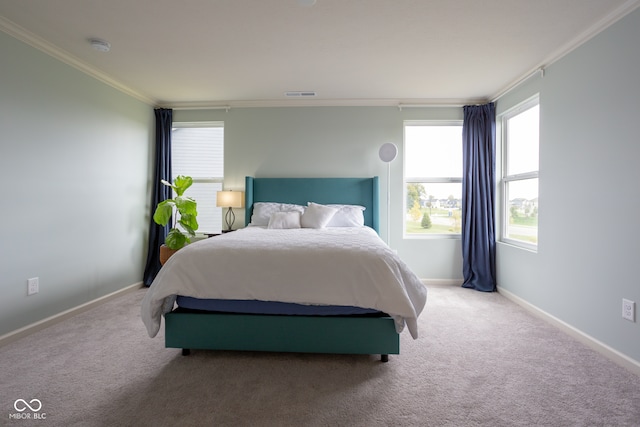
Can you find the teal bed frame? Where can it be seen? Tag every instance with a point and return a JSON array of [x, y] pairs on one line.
[[304, 334]]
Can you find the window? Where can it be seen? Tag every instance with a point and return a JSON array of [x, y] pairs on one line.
[[520, 138], [433, 179], [197, 150]]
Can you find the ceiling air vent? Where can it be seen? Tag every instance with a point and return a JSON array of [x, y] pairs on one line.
[[298, 94]]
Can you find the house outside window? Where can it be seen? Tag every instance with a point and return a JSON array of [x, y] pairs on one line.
[[197, 150], [520, 159], [432, 179]]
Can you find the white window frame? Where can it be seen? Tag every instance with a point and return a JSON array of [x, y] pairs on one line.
[[206, 180], [506, 179], [432, 180]]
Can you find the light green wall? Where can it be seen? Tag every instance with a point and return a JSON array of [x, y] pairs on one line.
[[332, 141], [74, 161], [589, 237]]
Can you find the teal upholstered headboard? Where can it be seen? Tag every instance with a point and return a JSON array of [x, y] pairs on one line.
[[353, 191]]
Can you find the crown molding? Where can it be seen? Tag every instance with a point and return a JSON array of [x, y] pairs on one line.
[[601, 25], [43, 45]]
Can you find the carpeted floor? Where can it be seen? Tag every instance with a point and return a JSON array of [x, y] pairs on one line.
[[481, 361]]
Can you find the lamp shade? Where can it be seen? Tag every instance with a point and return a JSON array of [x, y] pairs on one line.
[[388, 152], [230, 199]]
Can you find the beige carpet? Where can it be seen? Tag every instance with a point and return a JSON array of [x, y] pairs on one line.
[[480, 361]]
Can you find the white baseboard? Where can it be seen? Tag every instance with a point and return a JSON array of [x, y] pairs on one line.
[[49, 321], [441, 282], [610, 353]]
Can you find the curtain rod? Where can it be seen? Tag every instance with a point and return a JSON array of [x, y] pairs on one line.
[[194, 107], [455, 103], [401, 106]]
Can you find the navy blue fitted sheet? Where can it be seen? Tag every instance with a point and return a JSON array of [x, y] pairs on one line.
[[269, 307]]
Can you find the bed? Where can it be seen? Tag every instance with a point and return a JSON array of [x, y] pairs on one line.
[[375, 330]]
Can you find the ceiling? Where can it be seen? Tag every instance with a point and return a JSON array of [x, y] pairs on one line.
[[198, 53]]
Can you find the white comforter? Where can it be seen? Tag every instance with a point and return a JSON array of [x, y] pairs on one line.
[[332, 266]]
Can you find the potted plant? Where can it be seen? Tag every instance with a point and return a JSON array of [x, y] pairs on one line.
[[186, 207]]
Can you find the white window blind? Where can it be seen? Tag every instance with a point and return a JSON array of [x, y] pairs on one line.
[[197, 150]]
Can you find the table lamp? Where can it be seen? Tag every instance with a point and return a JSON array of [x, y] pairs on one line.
[[230, 199]]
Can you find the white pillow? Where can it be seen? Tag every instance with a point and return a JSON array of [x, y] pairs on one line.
[[317, 216], [289, 207], [347, 216], [282, 220], [262, 211]]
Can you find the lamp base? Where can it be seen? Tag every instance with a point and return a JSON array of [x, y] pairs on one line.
[[229, 219]]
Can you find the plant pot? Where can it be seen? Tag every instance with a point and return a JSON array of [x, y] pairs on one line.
[[165, 253]]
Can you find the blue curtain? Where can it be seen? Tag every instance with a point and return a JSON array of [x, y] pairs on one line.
[[157, 233], [478, 217]]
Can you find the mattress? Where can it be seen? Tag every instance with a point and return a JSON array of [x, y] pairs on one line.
[[271, 307]]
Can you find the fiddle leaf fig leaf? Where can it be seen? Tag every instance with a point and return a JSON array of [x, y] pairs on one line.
[[175, 239], [163, 212], [181, 183], [186, 205], [189, 223], [167, 183]]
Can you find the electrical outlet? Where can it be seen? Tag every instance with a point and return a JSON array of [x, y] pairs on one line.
[[628, 310], [33, 286]]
